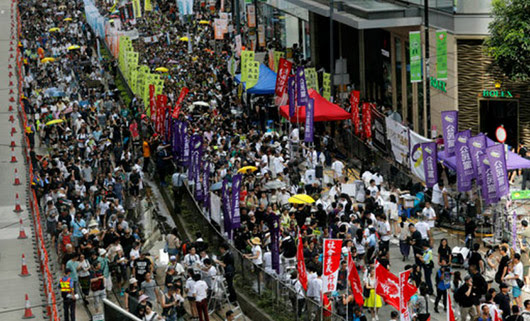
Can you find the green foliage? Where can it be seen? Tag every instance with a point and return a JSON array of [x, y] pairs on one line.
[[509, 43]]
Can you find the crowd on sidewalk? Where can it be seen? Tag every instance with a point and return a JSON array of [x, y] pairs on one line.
[[91, 154]]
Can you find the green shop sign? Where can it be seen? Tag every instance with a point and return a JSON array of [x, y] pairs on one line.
[[439, 84], [521, 195], [497, 93]]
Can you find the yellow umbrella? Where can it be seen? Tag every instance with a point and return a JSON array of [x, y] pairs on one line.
[[74, 47], [162, 69], [55, 121], [67, 19], [184, 39], [247, 169], [204, 22], [47, 59], [301, 199], [54, 29]]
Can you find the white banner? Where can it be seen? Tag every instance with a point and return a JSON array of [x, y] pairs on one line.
[[215, 209], [416, 155], [398, 136], [331, 264]]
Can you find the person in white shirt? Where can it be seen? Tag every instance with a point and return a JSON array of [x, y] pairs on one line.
[[367, 177], [338, 168], [201, 297], [314, 287], [439, 197], [192, 259], [383, 228], [428, 214], [299, 293], [516, 274], [190, 293], [378, 178], [423, 227], [257, 255], [373, 189], [210, 272]]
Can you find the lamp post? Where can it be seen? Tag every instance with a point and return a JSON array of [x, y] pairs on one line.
[[427, 73], [331, 49]]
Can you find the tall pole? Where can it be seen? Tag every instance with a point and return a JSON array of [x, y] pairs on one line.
[[427, 72], [238, 19], [256, 28], [331, 44]]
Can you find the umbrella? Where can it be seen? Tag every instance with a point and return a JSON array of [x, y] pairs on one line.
[[53, 92], [47, 59], [246, 169], [301, 199], [184, 39], [54, 29], [217, 186], [67, 19], [162, 69], [204, 22], [55, 121], [201, 103], [73, 47], [275, 184]]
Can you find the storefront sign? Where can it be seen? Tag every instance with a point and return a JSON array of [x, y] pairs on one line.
[[441, 54], [496, 93], [251, 16], [415, 56], [439, 84]]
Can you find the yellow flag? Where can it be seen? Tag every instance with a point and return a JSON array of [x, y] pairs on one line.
[[148, 6], [246, 56], [253, 74]]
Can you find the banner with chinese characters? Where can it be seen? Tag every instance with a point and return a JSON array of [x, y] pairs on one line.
[[415, 56], [464, 166], [284, 71], [497, 160], [311, 78], [477, 147], [251, 16], [449, 128], [441, 55], [354, 104], [261, 36], [252, 74], [326, 86], [309, 120], [430, 161], [246, 56], [331, 264], [302, 95]]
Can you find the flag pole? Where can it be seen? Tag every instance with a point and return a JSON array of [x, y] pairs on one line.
[[347, 285]]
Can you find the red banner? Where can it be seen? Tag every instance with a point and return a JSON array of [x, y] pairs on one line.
[[407, 290], [331, 260], [161, 102], [367, 120], [450, 312], [284, 70], [355, 281], [178, 104], [387, 285], [152, 101], [300, 263], [354, 103]]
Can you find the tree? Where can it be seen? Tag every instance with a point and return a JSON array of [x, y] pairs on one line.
[[509, 43]]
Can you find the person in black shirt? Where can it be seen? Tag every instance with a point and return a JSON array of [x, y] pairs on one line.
[[502, 299], [503, 266], [227, 262], [444, 251], [470, 228], [141, 266], [416, 242], [475, 258]]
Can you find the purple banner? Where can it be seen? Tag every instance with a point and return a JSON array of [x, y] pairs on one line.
[[450, 129], [497, 161], [464, 166], [236, 189], [196, 159], [301, 87], [185, 150], [430, 159], [292, 96], [514, 231], [175, 138], [309, 121], [477, 146], [225, 207], [275, 242], [489, 192], [206, 187]]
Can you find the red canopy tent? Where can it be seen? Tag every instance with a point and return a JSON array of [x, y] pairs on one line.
[[324, 110]]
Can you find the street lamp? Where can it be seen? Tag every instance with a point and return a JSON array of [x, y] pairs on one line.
[[331, 49], [427, 73]]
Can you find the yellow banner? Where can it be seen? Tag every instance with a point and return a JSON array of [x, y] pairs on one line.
[[246, 56], [148, 6], [253, 74], [326, 83], [137, 8], [277, 56], [311, 78]]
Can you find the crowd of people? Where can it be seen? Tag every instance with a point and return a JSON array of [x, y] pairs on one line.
[[90, 171]]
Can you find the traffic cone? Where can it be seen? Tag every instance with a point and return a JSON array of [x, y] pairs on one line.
[[13, 129], [12, 142], [11, 48], [11, 56], [11, 118], [12, 99], [10, 74], [10, 67], [10, 107], [17, 178], [13, 157], [11, 84], [27, 310], [24, 272], [11, 92], [18, 208]]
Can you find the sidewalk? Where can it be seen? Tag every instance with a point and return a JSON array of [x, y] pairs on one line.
[[14, 288]]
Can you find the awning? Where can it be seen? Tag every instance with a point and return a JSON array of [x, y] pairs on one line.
[[266, 82], [324, 110]]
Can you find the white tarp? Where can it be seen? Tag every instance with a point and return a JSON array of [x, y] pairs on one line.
[[215, 208], [398, 136]]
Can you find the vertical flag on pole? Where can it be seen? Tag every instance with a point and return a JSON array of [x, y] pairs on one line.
[[415, 56], [309, 121], [354, 102], [450, 312], [430, 160], [284, 70], [301, 88], [292, 96], [326, 86], [355, 281], [441, 55], [464, 166], [450, 128], [499, 172], [331, 260], [300, 263]]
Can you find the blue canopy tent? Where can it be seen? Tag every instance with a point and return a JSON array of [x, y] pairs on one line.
[[266, 82]]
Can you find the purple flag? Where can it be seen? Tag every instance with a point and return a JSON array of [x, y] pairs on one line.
[[309, 121], [489, 192], [464, 167], [236, 188], [185, 141], [301, 87], [497, 161], [477, 146], [292, 96], [430, 159], [206, 187], [514, 230], [450, 129], [175, 138], [225, 207], [196, 160], [275, 243]]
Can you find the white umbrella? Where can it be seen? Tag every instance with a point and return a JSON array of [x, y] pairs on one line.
[[201, 103]]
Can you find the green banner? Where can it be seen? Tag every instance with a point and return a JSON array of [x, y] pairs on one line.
[[326, 83], [521, 195], [415, 56], [252, 74], [441, 54], [246, 56]]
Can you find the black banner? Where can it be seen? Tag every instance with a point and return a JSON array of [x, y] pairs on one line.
[[379, 130]]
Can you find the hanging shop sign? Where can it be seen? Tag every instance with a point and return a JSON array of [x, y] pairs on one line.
[[496, 93], [439, 84]]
